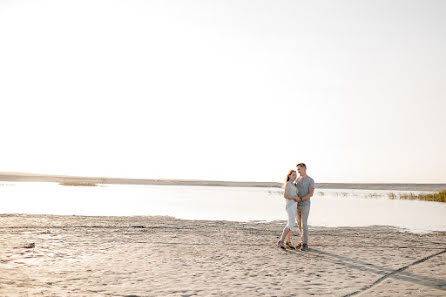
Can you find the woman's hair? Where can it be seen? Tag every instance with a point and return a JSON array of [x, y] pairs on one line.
[[288, 175]]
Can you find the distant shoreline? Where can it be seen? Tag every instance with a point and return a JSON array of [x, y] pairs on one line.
[[29, 177]]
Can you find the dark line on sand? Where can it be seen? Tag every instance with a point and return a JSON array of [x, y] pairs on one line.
[[378, 281]]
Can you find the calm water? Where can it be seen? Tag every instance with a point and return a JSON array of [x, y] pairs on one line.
[[329, 207]]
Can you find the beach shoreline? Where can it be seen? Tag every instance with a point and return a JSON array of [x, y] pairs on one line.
[[65, 179], [164, 256]]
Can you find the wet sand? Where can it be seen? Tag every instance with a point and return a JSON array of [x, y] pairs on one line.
[[163, 256]]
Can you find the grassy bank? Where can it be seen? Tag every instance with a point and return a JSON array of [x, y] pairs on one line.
[[437, 197], [78, 184]]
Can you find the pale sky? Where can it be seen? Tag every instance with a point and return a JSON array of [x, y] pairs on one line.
[[225, 90]]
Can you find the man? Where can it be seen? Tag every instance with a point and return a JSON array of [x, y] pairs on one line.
[[305, 188]]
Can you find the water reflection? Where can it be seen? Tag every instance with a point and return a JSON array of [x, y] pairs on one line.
[[329, 207]]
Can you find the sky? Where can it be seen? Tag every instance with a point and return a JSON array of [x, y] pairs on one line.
[[224, 90]]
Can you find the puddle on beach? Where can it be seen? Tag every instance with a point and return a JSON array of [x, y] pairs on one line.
[[329, 207]]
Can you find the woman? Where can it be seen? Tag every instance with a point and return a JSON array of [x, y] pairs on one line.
[[291, 197]]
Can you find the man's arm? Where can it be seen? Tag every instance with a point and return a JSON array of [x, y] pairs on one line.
[[309, 195]]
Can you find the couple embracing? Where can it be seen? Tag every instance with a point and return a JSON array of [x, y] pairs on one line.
[[298, 191]]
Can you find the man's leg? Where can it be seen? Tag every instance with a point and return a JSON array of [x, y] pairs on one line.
[[305, 212], [299, 221]]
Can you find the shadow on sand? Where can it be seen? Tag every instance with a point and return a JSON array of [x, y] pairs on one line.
[[398, 274]]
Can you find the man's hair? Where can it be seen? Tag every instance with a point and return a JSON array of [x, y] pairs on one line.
[[302, 165]]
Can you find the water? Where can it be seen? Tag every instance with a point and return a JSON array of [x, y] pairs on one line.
[[329, 207]]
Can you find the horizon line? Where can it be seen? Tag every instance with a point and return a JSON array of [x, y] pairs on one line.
[[39, 177]]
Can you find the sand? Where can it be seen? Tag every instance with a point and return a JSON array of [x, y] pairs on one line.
[[163, 256]]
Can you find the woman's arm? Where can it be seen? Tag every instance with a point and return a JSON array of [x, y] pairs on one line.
[[289, 197]]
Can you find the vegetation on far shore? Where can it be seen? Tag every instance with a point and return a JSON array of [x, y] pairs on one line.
[[437, 197], [78, 184]]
